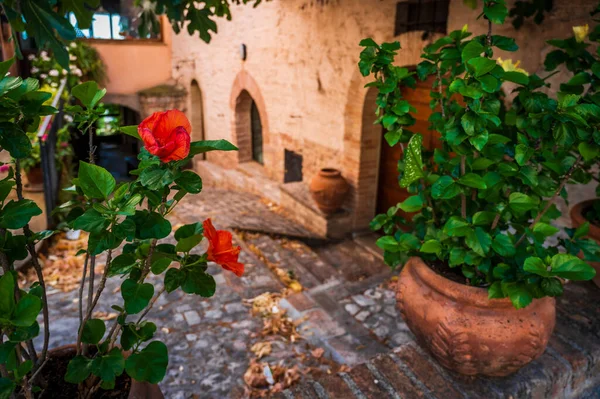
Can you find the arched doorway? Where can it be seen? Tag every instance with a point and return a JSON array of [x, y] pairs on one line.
[[249, 129], [197, 113], [389, 192]]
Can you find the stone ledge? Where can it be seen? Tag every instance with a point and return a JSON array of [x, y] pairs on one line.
[[570, 367]]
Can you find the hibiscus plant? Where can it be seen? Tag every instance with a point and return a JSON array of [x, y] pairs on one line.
[[126, 223], [482, 203]]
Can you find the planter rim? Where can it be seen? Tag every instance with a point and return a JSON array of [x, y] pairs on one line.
[[330, 172], [578, 219], [474, 296]]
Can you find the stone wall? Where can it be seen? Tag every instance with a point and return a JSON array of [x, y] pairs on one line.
[[301, 71]]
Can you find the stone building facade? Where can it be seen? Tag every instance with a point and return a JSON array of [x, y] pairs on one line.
[[288, 69]]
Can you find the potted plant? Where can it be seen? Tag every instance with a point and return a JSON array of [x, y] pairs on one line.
[[479, 278]]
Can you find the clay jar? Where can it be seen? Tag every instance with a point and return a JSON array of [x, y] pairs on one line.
[[467, 332], [577, 219], [329, 189]]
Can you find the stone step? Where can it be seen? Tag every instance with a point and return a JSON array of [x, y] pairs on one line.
[[351, 260]]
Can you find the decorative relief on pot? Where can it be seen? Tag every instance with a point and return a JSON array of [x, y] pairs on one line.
[[329, 189], [467, 332]]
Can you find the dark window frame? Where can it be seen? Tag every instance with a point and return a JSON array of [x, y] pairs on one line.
[[256, 134], [422, 15]]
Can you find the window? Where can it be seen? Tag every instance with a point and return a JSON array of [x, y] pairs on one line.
[[293, 166], [422, 15], [257, 137], [114, 20]]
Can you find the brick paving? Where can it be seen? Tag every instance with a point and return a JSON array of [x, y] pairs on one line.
[[347, 307]]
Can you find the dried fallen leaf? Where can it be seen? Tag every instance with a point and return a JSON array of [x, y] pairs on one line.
[[261, 349], [317, 353]]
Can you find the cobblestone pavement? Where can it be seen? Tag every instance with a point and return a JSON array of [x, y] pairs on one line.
[[345, 308]]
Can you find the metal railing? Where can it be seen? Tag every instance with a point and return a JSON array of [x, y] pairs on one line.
[[47, 138]]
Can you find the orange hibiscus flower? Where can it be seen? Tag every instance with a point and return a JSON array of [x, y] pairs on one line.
[[221, 249], [166, 135]]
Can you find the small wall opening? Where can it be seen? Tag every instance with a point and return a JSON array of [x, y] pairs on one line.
[[249, 129], [293, 166]]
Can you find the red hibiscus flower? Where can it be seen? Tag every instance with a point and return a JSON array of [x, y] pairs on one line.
[[166, 135], [221, 249]]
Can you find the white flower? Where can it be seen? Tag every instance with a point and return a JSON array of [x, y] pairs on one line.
[[68, 118], [35, 70], [53, 72], [72, 57], [43, 76], [31, 57], [73, 45], [44, 54], [64, 71], [77, 72], [54, 84]]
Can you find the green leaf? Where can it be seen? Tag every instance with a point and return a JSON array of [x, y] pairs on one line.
[[93, 331], [156, 177], [516, 77], [495, 291], [412, 204], [150, 225], [160, 265], [150, 364], [472, 50], [88, 93], [198, 282], [6, 388], [431, 247], [444, 188], [519, 294], [96, 182], [393, 137], [504, 43], [481, 65], [552, 287], [16, 214], [190, 182], [108, 367], [483, 217], [122, 264], [495, 12], [413, 169], [7, 295], [5, 66], [479, 241], [173, 279], [14, 140], [456, 227], [582, 230], [78, 370], [522, 202], [200, 147], [545, 229], [537, 266], [130, 131], [457, 256], [91, 221], [26, 310], [503, 245], [472, 180], [588, 151], [480, 140], [522, 154], [136, 296], [571, 268], [188, 236]]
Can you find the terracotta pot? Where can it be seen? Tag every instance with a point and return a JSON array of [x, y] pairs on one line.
[[467, 332], [577, 219], [328, 188], [138, 390], [35, 176]]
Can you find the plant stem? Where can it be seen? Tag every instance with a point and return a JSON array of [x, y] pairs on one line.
[[82, 287], [38, 271], [562, 185], [463, 198]]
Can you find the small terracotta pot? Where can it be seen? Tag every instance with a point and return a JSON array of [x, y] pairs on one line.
[[467, 332], [139, 390], [577, 219], [35, 176], [328, 188]]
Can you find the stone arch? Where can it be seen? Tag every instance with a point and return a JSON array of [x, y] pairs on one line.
[[362, 139], [244, 93], [196, 113]]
